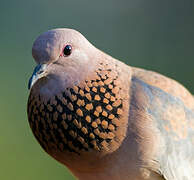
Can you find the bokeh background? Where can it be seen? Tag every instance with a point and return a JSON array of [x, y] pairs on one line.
[[152, 34]]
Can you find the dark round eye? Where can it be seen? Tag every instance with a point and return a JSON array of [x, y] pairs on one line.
[[67, 50]]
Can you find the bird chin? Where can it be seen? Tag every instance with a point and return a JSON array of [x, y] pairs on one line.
[[39, 83]]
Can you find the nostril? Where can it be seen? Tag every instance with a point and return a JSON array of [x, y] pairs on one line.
[[38, 68], [40, 72]]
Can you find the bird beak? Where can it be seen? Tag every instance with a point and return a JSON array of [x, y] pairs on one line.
[[39, 72]]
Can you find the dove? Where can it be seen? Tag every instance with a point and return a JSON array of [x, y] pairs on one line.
[[104, 119]]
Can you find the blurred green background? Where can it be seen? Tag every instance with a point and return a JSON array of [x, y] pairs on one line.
[[156, 35]]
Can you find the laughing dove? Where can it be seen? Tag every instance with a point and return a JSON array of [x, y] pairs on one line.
[[104, 119]]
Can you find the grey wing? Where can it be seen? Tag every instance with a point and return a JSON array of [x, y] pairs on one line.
[[175, 123]]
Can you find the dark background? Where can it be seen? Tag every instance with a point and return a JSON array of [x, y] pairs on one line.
[[152, 34]]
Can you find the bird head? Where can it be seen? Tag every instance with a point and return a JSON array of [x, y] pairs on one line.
[[61, 54]]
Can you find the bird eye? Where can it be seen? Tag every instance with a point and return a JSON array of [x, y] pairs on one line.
[[67, 50]]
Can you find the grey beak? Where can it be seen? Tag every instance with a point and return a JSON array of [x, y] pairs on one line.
[[39, 70]]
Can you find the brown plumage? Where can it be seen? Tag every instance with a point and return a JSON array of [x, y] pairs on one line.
[[104, 119]]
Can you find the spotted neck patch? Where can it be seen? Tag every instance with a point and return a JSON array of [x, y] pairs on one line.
[[80, 118]]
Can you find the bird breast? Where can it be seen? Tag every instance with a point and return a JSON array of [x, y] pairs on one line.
[[84, 117]]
